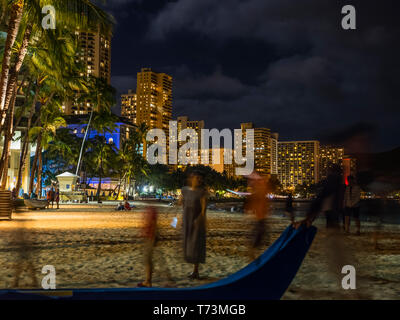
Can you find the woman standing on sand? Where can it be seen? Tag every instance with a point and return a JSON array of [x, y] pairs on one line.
[[194, 201]]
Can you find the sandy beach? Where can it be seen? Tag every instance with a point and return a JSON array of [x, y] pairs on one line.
[[94, 246]]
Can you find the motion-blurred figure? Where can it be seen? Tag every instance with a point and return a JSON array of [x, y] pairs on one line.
[[57, 198], [352, 204], [149, 234], [48, 198], [330, 201], [375, 210], [289, 210], [52, 197], [14, 193], [24, 258], [257, 204], [194, 201]]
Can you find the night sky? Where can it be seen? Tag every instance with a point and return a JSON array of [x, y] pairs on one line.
[[282, 64]]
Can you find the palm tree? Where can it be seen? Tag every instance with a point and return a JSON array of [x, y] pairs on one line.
[[50, 77], [63, 150], [131, 162], [71, 14], [50, 120], [15, 12], [102, 97], [100, 159]]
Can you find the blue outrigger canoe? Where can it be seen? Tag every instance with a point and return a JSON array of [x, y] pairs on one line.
[[266, 278]]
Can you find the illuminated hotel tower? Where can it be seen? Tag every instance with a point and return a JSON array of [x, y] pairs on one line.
[[183, 123], [274, 153], [262, 147], [328, 156], [128, 106], [298, 163], [95, 53], [154, 99]]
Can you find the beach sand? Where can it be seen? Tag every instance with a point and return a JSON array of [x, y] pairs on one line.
[[93, 246]]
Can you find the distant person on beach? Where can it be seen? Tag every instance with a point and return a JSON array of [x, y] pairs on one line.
[[52, 197], [352, 204], [48, 198], [194, 201], [14, 193], [120, 207], [257, 204], [289, 210], [127, 206], [57, 198], [149, 234]]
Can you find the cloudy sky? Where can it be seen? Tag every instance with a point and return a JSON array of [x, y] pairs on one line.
[[282, 64]]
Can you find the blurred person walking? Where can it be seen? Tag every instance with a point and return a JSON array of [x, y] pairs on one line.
[[258, 205], [194, 201], [330, 200], [25, 257], [149, 234], [352, 204], [289, 210]]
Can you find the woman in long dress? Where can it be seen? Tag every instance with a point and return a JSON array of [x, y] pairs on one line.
[[194, 201]]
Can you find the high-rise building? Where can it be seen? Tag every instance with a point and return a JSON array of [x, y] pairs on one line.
[[274, 153], [95, 54], [154, 99], [262, 147], [349, 167], [328, 156], [221, 167], [183, 123], [298, 163], [128, 106]]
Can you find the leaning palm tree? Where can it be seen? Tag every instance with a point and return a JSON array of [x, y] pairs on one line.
[[50, 120], [70, 15], [49, 77], [131, 161], [102, 97]]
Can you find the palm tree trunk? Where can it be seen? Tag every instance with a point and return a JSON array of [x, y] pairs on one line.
[[22, 162], [12, 32], [7, 145], [35, 161], [39, 174], [12, 83], [119, 187], [99, 188], [24, 152]]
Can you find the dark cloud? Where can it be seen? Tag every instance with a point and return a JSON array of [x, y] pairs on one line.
[[282, 64]]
